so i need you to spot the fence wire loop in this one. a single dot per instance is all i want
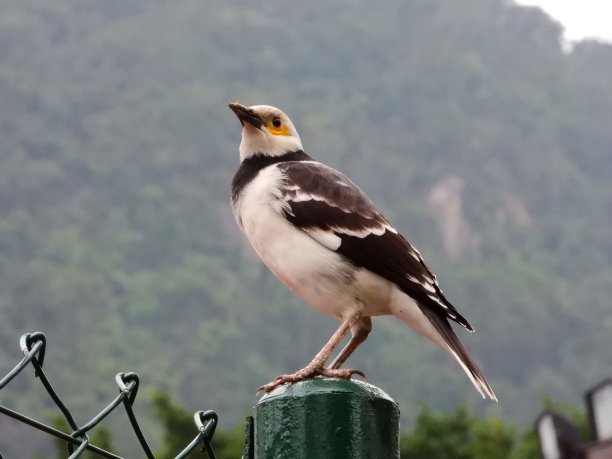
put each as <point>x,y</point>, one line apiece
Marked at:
<point>28,340</point>
<point>206,422</point>
<point>128,384</point>
<point>33,346</point>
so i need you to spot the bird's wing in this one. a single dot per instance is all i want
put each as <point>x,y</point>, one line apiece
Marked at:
<point>337,214</point>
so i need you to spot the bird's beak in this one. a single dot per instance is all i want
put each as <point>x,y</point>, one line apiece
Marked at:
<point>246,115</point>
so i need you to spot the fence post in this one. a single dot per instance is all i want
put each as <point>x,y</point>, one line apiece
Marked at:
<point>325,418</point>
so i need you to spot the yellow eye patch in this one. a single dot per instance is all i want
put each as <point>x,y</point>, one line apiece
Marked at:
<point>280,130</point>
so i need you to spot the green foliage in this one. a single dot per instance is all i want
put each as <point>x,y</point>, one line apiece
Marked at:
<point>179,430</point>
<point>460,435</point>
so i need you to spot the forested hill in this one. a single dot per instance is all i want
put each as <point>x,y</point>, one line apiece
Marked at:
<point>484,142</point>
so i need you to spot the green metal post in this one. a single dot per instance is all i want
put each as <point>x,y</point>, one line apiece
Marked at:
<point>324,418</point>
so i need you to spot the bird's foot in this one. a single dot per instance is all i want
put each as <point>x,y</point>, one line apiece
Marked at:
<point>307,373</point>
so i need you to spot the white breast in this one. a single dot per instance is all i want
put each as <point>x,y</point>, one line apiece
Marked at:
<point>311,270</point>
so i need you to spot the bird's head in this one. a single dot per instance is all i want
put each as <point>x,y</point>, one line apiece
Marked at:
<point>266,130</point>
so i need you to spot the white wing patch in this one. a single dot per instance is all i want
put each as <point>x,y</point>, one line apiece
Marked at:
<point>326,238</point>
<point>294,193</point>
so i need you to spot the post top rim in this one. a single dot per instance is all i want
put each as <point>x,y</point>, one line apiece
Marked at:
<point>323,385</point>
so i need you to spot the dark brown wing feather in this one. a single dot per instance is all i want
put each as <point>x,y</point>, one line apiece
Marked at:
<point>318,197</point>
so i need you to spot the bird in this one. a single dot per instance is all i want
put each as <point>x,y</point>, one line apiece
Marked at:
<point>325,240</point>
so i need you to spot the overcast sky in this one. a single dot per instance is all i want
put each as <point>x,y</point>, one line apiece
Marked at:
<point>581,18</point>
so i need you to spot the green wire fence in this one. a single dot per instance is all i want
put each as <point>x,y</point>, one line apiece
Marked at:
<point>33,347</point>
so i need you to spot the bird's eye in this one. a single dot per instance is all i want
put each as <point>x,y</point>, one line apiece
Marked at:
<point>276,122</point>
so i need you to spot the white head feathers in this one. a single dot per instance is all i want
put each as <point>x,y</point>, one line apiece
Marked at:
<point>265,130</point>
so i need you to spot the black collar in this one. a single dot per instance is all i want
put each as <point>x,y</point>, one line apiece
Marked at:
<point>250,167</point>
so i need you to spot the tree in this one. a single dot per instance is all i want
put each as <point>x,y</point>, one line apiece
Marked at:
<point>179,430</point>
<point>460,435</point>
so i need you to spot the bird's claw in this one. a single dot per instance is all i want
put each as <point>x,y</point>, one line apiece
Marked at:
<point>307,373</point>
<point>344,373</point>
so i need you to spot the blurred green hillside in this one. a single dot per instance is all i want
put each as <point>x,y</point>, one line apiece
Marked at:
<point>482,141</point>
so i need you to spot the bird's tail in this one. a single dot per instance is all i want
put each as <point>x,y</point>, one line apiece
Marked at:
<point>456,348</point>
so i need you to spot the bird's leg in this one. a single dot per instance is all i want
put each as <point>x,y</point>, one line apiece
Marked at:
<point>317,365</point>
<point>360,331</point>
